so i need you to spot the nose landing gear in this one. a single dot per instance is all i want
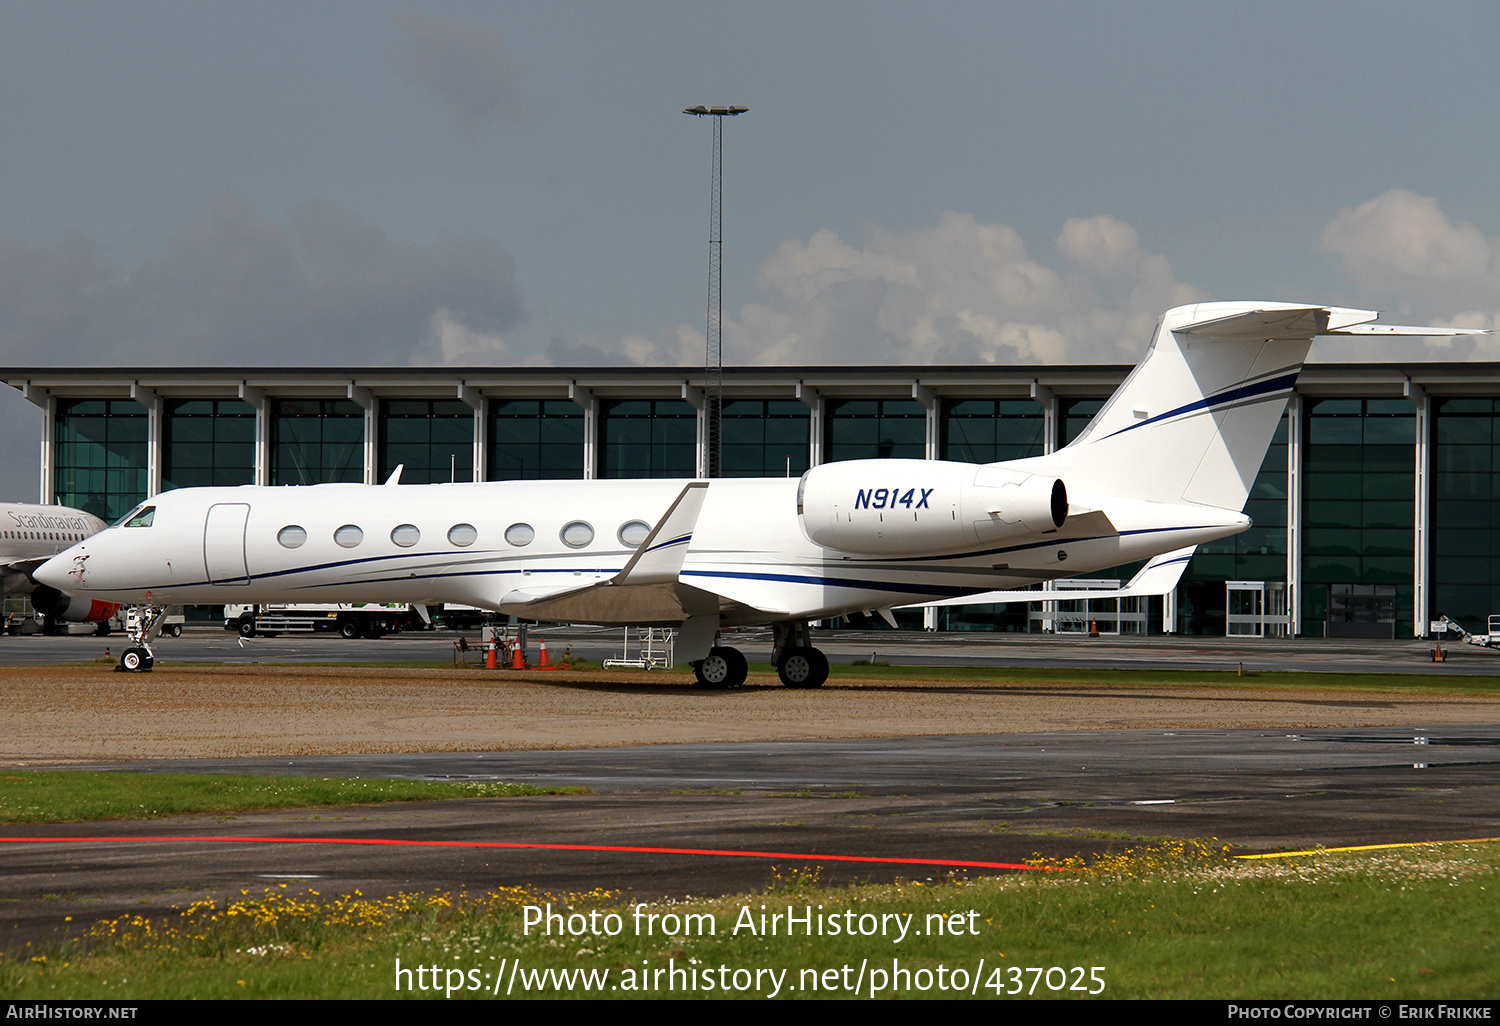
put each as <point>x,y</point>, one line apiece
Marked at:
<point>141,628</point>
<point>136,660</point>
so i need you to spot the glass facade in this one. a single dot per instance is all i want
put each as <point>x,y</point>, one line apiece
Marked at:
<point>1465,515</point>
<point>1258,554</point>
<point>433,440</point>
<point>314,441</point>
<point>867,429</point>
<point>649,438</point>
<point>1075,415</point>
<point>765,438</point>
<point>207,442</point>
<point>1357,490</point>
<point>100,462</point>
<point>990,430</point>
<point>531,439</point>
<point>1358,510</point>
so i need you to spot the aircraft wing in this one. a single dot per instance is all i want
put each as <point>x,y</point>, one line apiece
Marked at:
<point>646,590</point>
<point>1157,577</point>
<point>15,578</point>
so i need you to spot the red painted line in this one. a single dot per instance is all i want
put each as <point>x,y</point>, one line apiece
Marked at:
<point>802,857</point>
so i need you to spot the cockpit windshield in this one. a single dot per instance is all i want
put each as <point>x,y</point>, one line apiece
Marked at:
<point>141,516</point>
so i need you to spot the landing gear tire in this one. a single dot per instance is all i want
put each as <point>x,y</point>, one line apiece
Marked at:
<point>722,668</point>
<point>136,660</point>
<point>247,628</point>
<point>349,628</point>
<point>803,668</point>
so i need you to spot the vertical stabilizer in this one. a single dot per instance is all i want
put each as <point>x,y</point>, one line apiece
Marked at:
<point>1193,420</point>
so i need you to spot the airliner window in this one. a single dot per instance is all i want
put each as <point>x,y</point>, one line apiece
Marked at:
<point>348,536</point>
<point>291,536</point>
<point>143,518</point>
<point>577,534</point>
<point>406,535</point>
<point>633,533</point>
<point>520,534</point>
<point>462,534</point>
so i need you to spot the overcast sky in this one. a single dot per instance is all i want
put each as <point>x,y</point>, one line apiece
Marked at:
<point>483,183</point>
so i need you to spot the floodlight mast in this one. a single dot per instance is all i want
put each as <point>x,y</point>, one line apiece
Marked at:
<point>713,363</point>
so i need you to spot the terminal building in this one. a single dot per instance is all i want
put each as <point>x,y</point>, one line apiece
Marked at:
<point>1372,510</point>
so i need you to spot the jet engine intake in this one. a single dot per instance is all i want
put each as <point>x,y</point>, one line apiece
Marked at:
<point>917,507</point>
<point>54,604</point>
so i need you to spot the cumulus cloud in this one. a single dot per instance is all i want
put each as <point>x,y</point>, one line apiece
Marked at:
<point>1406,255</point>
<point>236,287</point>
<point>958,291</point>
<point>466,67</point>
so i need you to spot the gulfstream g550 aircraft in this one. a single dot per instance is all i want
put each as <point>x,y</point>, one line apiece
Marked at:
<point>1167,464</point>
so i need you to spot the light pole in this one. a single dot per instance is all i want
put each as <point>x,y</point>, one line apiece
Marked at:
<point>713,363</point>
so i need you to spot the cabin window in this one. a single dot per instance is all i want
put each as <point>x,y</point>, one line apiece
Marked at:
<point>291,536</point>
<point>520,534</point>
<point>577,534</point>
<point>462,534</point>
<point>348,536</point>
<point>406,535</point>
<point>633,533</point>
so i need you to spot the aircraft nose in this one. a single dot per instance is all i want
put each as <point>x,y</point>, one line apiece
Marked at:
<point>54,573</point>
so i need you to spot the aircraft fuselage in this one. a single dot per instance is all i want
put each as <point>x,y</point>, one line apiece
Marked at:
<point>523,547</point>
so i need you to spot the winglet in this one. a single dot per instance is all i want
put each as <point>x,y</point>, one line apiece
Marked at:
<point>395,477</point>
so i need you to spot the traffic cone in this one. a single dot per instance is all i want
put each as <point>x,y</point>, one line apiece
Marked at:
<point>545,662</point>
<point>491,658</point>
<point>1093,628</point>
<point>517,659</point>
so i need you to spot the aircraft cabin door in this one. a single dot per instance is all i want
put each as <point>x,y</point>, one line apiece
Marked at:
<point>224,543</point>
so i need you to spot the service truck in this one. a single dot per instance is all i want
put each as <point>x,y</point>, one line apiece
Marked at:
<point>349,619</point>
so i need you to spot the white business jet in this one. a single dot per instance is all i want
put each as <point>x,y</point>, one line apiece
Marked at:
<point>29,536</point>
<point>1166,465</point>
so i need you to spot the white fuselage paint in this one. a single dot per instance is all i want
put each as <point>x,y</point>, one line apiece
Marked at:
<point>747,553</point>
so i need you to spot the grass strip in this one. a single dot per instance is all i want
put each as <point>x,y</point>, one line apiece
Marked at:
<point>68,796</point>
<point>1176,920</point>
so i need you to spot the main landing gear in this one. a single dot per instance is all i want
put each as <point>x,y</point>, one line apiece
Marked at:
<point>798,664</point>
<point>721,668</point>
<point>802,668</point>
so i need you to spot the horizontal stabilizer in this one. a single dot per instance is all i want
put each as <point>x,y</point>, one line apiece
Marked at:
<point>1406,330</point>
<point>1293,323</point>
<point>1272,323</point>
<point>1157,577</point>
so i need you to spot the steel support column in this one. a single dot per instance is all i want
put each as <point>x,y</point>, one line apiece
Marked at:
<point>1421,539</point>
<point>1295,443</point>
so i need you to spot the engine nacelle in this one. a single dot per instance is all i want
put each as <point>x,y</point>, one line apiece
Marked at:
<point>916,507</point>
<point>55,605</point>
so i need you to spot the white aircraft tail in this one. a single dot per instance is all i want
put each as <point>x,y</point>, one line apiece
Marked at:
<point>1192,422</point>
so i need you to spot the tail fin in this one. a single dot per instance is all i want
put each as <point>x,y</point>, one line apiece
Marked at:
<point>1193,420</point>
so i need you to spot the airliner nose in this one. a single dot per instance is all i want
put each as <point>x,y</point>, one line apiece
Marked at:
<point>54,573</point>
